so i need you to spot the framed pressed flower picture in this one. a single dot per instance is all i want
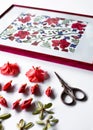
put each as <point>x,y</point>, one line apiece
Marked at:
<point>51,35</point>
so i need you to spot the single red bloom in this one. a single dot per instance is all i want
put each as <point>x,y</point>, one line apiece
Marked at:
<point>24,20</point>
<point>78,26</point>
<point>10,69</point>
<point>64,44</point>
<point>55,43</point>
<point>25,104</point>
<point>3,101</point>
<point>34,88</point>
<point>36,74</point>
<point>52,21</point>
<point>7,86</point>
<point>22,89</point>
<point>48,91</point>
<point>22,34</point>
<point>16,103</point>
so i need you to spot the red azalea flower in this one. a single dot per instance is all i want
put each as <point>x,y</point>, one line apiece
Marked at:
<point>78,26</point>
<point>55,43</point>
<point>52,21</point>
<point>64,44</point>
<point>36,74</point>
<point>21,34</point>
<point>24,20</point>
<point>10,69</point>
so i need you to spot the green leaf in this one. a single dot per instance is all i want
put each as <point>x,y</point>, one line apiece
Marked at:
<point>48,125</point>
<point>40,105</point>
<point>40,122</point>
<point>45,128</point>
<point>76,41</point>
<point>50,117</point>
<point>5,116</point>
<point>46,106</point>
<point>28,125</point>
<point>21,123</point>
<point>46,44</point>
<point>37,111</point>
<point>55,120</point>
<point>41,116</point>
<point>50,112</point>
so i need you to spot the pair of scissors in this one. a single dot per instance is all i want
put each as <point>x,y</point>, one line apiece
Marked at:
<point>69,94</point>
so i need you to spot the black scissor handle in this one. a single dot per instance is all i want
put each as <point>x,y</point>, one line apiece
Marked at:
<point>68,99</point>
<point>79,94</point>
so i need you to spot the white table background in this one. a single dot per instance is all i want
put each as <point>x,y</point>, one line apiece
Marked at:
<point>76,77</point>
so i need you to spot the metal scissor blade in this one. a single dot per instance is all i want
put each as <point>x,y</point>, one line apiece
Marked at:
<point>60,79</point>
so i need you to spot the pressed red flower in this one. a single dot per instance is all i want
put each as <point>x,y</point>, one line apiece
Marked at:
<point>10,69</point>
<point>52,21</point>
<point>24,20</point>
<point>16,104</point>
<point>22,89</point>
<point>78,26</point>
<point>34,88</point>
<point>64,44</point>
<point>3,101</point>
<point>22,34</point>
<point>7,86</point>
<point>25,104</point>
<point>48,91</point>
<point>11,38</point>
<point>55,43</point>
<point>36,74</point>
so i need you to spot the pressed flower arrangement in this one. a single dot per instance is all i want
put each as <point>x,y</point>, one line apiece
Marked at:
<point>49,32</point>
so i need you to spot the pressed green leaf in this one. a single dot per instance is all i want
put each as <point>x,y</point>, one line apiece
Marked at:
<point>40,122</point>
<point>37,111</point>
<point>28,125</point>
<point>45,128</point>
<point>50,117</point>
<point>46,106</point>
<point>5,116</point>
<point>48,125</point>
<point>21,123</point>
<point>40,105</point>
<point>55,120</point>
<point>50,112</point>
<point>41,116</point>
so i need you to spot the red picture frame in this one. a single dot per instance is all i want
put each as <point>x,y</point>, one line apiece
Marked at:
<point>49,57</point>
